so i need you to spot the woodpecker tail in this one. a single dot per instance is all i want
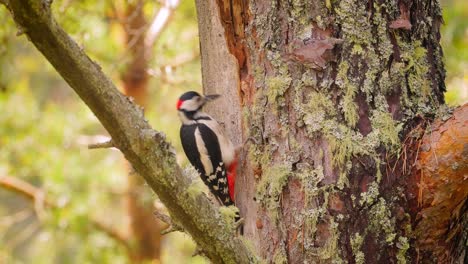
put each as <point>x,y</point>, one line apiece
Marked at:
<point>231,178</point>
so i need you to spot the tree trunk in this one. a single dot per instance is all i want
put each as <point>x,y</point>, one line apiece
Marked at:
<point>332,98</point>
<point>145,228</point>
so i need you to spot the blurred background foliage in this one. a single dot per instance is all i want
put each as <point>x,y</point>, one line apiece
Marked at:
<point>45,129</point>
<point>455,46</point>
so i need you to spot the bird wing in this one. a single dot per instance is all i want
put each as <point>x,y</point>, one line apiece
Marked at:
<point>217,178</point>
<point>187,136</point>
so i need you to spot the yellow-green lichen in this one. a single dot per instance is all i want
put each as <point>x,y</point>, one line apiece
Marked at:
<point>277,86</point>
<point>297,9</point>
<point>229,213</point>
<point>354,22</point>
<point>196,187</point>
<point>270,187</point>
<point>312,216</point>
<point>259,157</point>
<point>369,197</point>
<point>310,179</point>
<point>356,244</point>
<point>280,257</point>
<point>346,143</point>
<point>385,47</point>
<point>329,250</point>
<point>348,105</point>
<point>319,109</point>
<point>387,129</point>
<point>414,55</point>
<point>381,221</point>
<point>378,173</point>
<point>403,246</point>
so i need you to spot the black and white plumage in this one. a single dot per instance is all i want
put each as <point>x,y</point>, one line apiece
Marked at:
<point>205,144</point>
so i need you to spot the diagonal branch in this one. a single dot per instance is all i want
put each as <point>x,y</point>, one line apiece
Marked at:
<point>23,188</point>
<point>147,150</point>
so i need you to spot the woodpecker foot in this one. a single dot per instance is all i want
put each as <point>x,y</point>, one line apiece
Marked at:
<point>166,219</point>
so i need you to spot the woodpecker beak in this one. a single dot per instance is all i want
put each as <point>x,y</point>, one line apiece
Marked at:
<point>211,97</point>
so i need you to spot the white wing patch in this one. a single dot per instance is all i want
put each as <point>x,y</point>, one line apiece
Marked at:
<point>227,148</point>
<point>204,157</point>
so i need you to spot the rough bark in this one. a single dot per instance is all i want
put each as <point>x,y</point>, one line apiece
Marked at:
<point>147,151</point>
<point>335,96</point>
<point>440,177</point>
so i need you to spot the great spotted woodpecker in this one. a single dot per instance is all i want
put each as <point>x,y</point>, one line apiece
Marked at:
<point>208,149</point>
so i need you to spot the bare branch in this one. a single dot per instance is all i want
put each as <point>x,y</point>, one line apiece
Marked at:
<point>160,21</point>
<point>14,218</point>
<point>106,144</point>
<point>113,233</point>
<point>38,196</point>
<point>177,62</point>
<point>23,188</point>
<point>149,153</point>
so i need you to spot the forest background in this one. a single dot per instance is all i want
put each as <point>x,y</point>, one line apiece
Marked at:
<point>71,204</point>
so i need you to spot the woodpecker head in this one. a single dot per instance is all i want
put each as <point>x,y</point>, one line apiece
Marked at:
<point>190,104</point>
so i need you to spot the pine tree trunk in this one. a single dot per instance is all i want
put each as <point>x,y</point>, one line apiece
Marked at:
<point>331,99</point>
<point>144,228</point>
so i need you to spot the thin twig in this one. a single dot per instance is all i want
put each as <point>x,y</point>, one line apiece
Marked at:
<point>23,188</point>
<point>39,198</point>
<point>23,235</point>
<point>168,230</point>
<point>14,218</point>
<point>113,233</point>
<point>106,144</point>
<point>166,219</point>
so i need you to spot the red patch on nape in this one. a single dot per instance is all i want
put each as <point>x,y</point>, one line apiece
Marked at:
<point>179,103</point>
